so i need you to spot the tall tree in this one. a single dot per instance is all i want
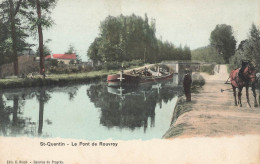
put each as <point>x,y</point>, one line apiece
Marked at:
<point>93,51</point>
<point>250,48</point>
<point>13,12</point>
<point>5,43</point>
<point>71,50</point>
<point>186,53</point>
<point>6,40</point>
<point>126,38</point>
<point>9,12</point>
<point>223,40</point>
<point>38,12</point>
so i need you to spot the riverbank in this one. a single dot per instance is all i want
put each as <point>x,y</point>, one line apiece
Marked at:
<point>58,79</point>
<point>54,79</point>
<point>212,113</point>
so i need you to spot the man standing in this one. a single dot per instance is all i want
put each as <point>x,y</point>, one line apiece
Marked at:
<point>187,84</point>
<point>43,73</point>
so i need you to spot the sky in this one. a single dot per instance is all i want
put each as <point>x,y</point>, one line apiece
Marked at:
<point>182,22</point>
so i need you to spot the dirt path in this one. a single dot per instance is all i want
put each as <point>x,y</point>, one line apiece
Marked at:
<point>212,113</point>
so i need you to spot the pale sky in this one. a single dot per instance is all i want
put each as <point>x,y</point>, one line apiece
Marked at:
<point>183,22</point>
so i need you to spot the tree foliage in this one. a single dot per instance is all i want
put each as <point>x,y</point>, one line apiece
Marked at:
<point>207,54</point>
<point>223,40</point>
<point>5,43</point>
<point>18,17</point>
<point>249,49</point>
<point>71,50</point>
<point>46,51</point>
<point>30,12</point>
<point>11,24</point>
<point>126,38</point>
<point>38,13</point>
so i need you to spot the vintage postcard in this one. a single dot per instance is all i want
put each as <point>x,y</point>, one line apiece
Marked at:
<point>129,81</point>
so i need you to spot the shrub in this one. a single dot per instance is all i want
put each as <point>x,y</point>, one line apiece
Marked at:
<point>118,65</point>
<point>111,65</point>
<point>54,62</point>
<point>197,82</point>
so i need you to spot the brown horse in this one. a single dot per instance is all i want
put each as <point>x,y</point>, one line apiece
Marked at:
<point>249,74</point>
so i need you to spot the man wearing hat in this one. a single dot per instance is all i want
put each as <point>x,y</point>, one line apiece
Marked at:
<point>187,84</point>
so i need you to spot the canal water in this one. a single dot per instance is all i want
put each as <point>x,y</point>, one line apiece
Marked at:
<point>89,111</point>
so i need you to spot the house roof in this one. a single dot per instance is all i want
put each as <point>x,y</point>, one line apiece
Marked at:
<point>62,56</point>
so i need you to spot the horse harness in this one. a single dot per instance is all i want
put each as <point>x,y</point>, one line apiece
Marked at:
<point>244,78</point>
<point>237,80</point>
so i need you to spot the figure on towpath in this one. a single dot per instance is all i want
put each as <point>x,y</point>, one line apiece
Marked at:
<point>187,84</point>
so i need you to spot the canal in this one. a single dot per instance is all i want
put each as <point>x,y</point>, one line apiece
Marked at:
<point>89,111</point>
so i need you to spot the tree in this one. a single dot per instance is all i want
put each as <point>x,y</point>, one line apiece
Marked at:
<point>38,12</point>
<point>250,48</point>
<point>5,43</point>
<point>10,9</point>
<point>13,10</point>
<point>94,49</point>
<point>223,40</point>
<point>46,51</point>
<point>126,38</point>
<point>186,53</point>
<point>207,54</point>
<point>71,50</point>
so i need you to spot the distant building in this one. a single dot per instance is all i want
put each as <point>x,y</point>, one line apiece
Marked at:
<point>65,58</point>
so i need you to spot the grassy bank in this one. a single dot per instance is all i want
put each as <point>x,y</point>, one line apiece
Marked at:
<point>54,79</point>
<point>63,79</point>
<point>182,106</point>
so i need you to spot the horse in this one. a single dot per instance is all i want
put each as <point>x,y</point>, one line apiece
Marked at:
<point>257,85</point>
<point>249,74</point>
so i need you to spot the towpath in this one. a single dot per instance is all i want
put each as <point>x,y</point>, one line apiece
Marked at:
<point>212,112</point>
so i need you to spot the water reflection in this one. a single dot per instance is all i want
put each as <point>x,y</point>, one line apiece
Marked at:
<point>131,107</point>
<point>4,116</point>
<point>142,112</point>
<point>43,98</point>
<point>12,120</point>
